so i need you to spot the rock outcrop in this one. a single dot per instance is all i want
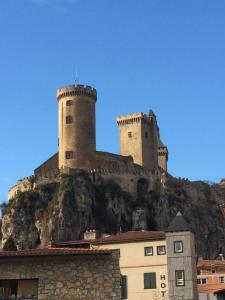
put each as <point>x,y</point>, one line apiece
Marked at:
<point>65,209</point>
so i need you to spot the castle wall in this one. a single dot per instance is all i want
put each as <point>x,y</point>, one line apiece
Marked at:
<point>23,185</point>
<point>49,167</point>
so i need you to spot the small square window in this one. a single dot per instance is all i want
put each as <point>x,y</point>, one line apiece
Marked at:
<point>180,279</point>
<point>69,154</point>
<point>69,119</point>
<point>204,280</point>
<point>222,279</point>
<point>199,281</point>
<point>213,271</point>
<point>69,102</point>
<point>161,250</point>
<point>178,247</point>
<point>130,134</point>
<point>148,251</point>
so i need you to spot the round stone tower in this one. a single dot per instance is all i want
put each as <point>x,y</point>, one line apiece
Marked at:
<point>77,139</point>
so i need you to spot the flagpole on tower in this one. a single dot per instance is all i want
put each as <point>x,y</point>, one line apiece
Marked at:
<point>76,78</point>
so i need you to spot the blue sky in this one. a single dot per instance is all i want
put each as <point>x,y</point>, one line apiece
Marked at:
<point>167,55</point>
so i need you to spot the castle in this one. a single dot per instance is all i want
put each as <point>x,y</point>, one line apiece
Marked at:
<point>142,153</point>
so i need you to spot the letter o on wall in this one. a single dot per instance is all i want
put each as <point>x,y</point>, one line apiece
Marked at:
<point>163,285</point>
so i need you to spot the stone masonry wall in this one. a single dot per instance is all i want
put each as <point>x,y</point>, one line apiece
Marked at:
<point>78,277</point>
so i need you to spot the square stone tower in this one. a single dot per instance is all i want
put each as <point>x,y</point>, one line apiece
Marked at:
<point>139,138</point>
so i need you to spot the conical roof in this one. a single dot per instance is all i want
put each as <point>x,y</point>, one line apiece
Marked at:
<point>179,224</point>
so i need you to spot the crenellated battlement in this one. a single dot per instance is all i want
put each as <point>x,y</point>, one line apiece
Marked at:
<point>73,90</point>
<point>132,118</point>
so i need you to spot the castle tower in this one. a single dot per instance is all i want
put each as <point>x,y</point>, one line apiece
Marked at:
<point>77,140</point>
<point>162,155</point>
<point>139,138</point>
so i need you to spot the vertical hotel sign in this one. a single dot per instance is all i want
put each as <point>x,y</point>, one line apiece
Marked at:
<point>162,294</point>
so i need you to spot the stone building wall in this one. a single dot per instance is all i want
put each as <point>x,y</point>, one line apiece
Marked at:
<point>78,277</point>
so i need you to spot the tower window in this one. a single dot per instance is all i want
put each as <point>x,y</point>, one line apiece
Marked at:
<point>178,246</point>
<point>180,279</point>
<point>69,102</point>
<point>69,119</point>
<point>69,154</point>
<point>130,134</point>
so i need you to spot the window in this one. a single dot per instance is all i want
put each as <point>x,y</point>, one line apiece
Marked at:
<point>123,284</point>
<point>213,271</point>
<point>148,251</point>
<point>161,250</point>
<point>198,272</point>
<point>150,280</point>
<point>146,135</point>
<point>69,119</point>
<point>180,280</point>
<point>69,154</point>
<point>222,279</point>
<point>178,247</point>
<point>201,280</point>
<point>69,102</point>
<point>130,134</point>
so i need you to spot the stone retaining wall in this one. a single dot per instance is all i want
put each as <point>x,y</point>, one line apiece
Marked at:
<point>78,277</point>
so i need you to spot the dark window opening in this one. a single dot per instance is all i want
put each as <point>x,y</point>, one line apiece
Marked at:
<point>146,135</point>
<point>69,119</point>
<point>130,134</point>
<point>69,102</point>
<point>69,154</point>
<point>19,289</point>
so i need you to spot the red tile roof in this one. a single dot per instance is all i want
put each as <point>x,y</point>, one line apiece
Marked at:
<point>53,252</point>
<point>126,237</point>
<point>202,263</point>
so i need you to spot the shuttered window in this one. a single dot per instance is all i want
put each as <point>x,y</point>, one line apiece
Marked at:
<point>123,287</point>
<point>150,280</point>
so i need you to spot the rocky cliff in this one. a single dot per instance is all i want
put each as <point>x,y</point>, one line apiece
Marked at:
<point>64,209</point>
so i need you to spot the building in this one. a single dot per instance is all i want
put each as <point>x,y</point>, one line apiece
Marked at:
<point>142,153</point>
<point>210,278</point>
<point>60,273</point>
<point>153,264</point>
<point>182,272</point>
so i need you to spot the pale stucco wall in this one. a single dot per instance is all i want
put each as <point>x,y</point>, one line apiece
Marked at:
<point>133,264</point>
